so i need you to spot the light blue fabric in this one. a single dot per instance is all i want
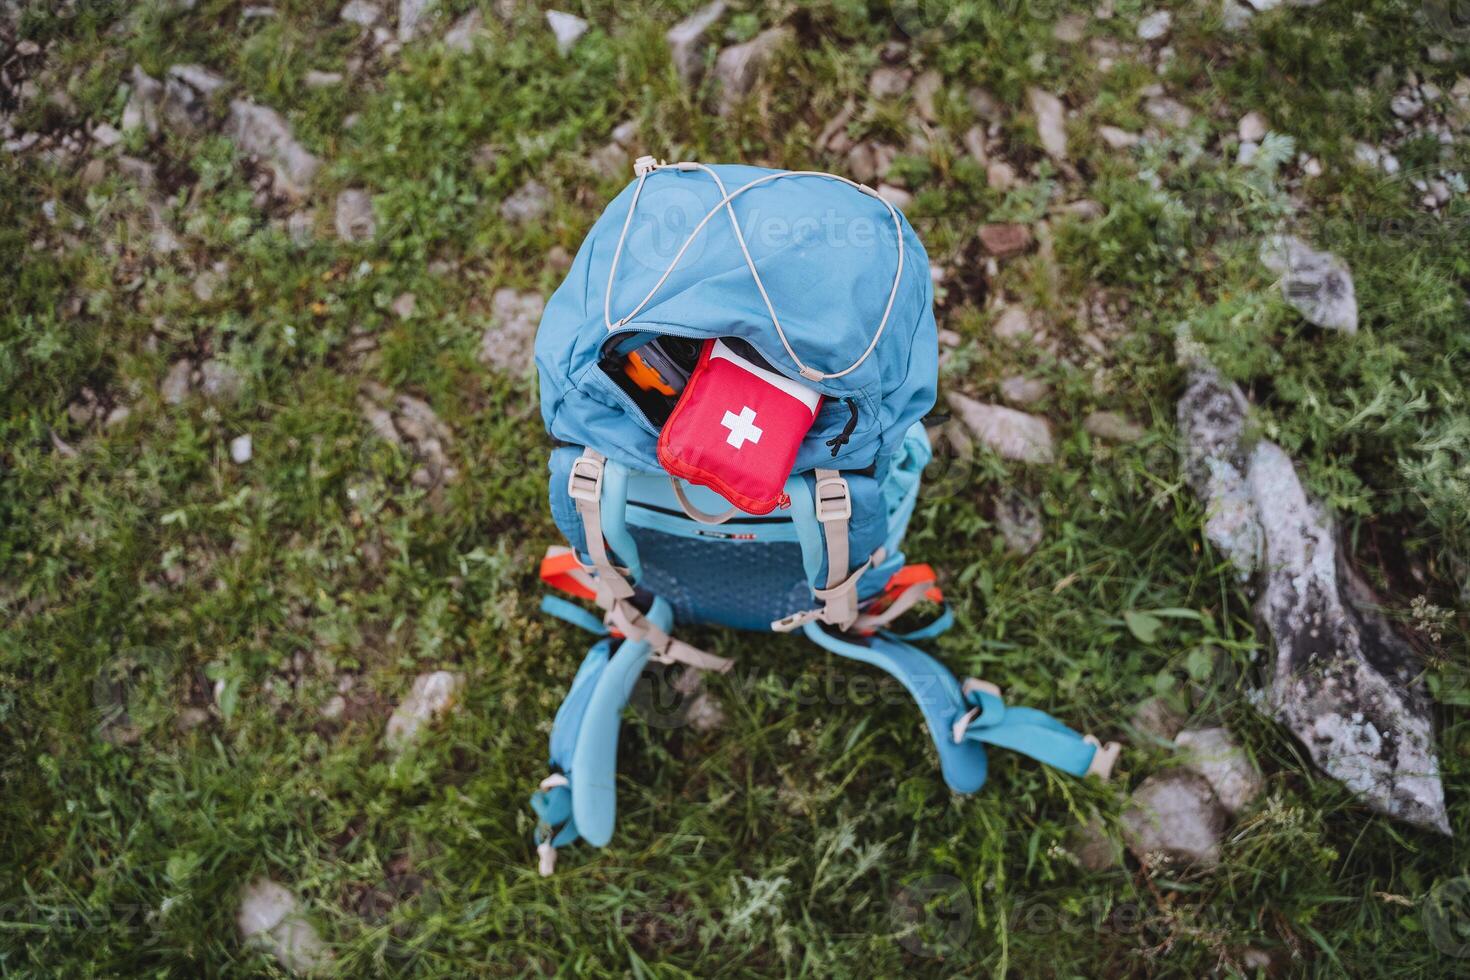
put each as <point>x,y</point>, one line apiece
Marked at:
<point>827,254</point>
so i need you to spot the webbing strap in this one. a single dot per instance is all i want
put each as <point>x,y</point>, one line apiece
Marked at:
<point>584,486</point>
<point>833,504</point>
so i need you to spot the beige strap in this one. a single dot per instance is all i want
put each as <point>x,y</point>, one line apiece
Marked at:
<point>833,503</point>
<point>584,486</point>
<point>629,621</point>
<point>694,512</point>
<point>839,604</point>
<point>907,599</point>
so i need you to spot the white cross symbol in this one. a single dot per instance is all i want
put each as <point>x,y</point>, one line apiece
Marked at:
<point>742,427</point>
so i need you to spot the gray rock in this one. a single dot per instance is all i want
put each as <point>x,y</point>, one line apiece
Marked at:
<point>1093,848</point>
<point>1169,112</point>
<point>178,381</point>
<point>1014,325</point>
<point>611,160</point>
<point>699,708</point>
<point>1118,139</point>
<point>187,90</point>
<point>262,132</point>
<point>984,104</point>
<point>432,697</point>
<point>1071,29</point>
<point>1020,390</point>
<point>270,918</point>
<point>1212,417</point>
<point>1342,680</point>
<point>1155,26</point>
<point>888,82</point>
<point>896,196</point>
<point>361,13</point>
<point>1156,716</point>
<point>738,66</point>
<point>1051,122</point>
<point>143,99</point>
<point>1012,434</point>
<point>411,18</point>
<point>1019,521</point>
<point>463,33</point>
<point>1174,816</point>
<point>242,448</point>
<point>687,40</point>
<point>321,79</point>
<point>530,202</point>
<point>219,382</point>
<point>974,141</point>
<point>925,90</point>
<point>508,343</point>
<point>300,227</point>
<point>1214,754</point>
<point>1318,284</point>
<point>355,220</point>
<point>1252,127</point>
<point>869,161</point>
<point>568,29</point>
<point>1113,427</point>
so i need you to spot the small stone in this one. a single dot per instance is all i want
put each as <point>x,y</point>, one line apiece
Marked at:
<point>1439,54</point>
<point>300,227</point>
<point>190,718</point>
<point>411,18</point>
<point>205,284</point>
<point>888,82</point>
<point>1311,167</point>
<point>686,41</point>
<point>271,919</point>
<point>738,66</point>
<point>433,695</point>
<point>1051,125</point>
<point>508,342</point>
<point>1214,754</point>
<point>1157,717</point>
<point>1245,154</point>
<point>625,134</point>
<point>1071,29</point>
<point>463,33</point>
<point>868,161</point>
<point>896,196</point>
<point>1155,26</point>
<point>1113,427</point>
<point>321,79</point>
<point>361,13</point>
<point>1083,210</point>
<point>1000,176</point>
<point>610,160</point>
<point>405,305</point>
<point>106,136</point>
<point>354,220</point>
<point>974,140</point>
<point>1168,111</point>
<point>568,29</point>
<point>263,132</point>
<point>219,382</point>
<point>1019,522</point>
<point>1252,127</point>
<point>241,449</point>
<point>530,202</point>
<point>335,708</point>
<point>985,105</point>
<point>925,90</point>
<point>1318,284</point>
<point>117,416</point>
<point>1014,325</point>
<point>176,384</point>
<point>1118,139</point>
<point>1021,390</point>
<point>1093,848</point>
<point>1176,817</point>
<point>1004,240</point>
<point>1012,434</point>
<point>1406,106</point>
<point>1235,17</point>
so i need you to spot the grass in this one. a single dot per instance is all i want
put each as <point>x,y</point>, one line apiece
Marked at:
<point>143,568</point>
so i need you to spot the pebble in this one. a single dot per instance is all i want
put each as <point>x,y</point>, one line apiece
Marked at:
<point>1155,26</point>
<point>1252,127</point>
<point>241,449</point>
<point>568,29</point>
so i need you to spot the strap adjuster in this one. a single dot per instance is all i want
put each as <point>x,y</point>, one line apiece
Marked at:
<point>833,500</point>
<point>585,481</point>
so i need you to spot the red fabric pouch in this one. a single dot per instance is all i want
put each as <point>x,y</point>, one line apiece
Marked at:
<point>737,428</point>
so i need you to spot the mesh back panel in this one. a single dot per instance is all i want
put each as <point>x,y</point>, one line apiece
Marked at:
<point>744,584</point>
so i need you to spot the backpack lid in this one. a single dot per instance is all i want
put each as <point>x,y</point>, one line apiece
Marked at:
<point>827,255</point>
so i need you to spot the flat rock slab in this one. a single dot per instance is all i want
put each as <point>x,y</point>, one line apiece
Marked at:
<point>263,132</point>
<point>432,697</point>
<point>1012,434</point>
<point>270,918</point>
<point>738,66</point>
<point>1343,682</point>
<point>1318,285</point>
<point>1214,754</point>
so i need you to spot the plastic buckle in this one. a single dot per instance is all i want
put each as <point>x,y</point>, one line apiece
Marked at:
<point>646,165</point>
<point>833,500</point>
<point>585,482</point>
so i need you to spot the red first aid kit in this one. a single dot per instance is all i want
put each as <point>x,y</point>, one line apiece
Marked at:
<point>737,428</point>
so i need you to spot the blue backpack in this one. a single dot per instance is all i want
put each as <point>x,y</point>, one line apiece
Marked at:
<point>827,282</point>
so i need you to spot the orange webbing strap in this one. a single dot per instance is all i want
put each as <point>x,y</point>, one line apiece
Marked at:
<point>904,590</point>
<point>561,570</point>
